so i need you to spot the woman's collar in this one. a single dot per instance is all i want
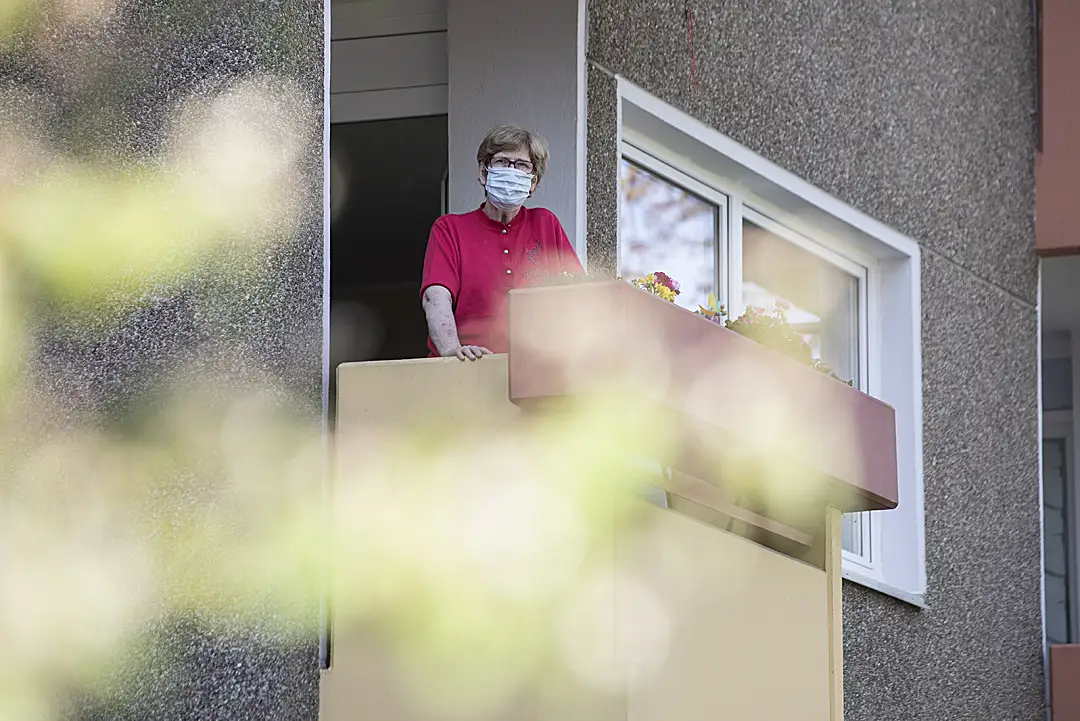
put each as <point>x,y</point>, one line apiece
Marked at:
<point>496,225</point>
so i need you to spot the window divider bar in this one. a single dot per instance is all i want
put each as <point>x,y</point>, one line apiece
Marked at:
<point>734,299</point>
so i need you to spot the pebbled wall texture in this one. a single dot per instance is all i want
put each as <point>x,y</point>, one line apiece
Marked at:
<point>106,90</point>
<point>921,114</point>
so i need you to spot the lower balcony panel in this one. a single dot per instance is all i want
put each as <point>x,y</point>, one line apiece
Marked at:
<point>690,622</point>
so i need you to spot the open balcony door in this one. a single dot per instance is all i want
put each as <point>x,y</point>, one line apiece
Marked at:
<point>388,88</point>
<point>388,168</point>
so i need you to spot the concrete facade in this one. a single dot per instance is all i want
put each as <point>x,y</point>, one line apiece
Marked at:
<point>108,91</point>
<point>922,116</point>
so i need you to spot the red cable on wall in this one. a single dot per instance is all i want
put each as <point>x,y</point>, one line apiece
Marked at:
<point>693,60</point>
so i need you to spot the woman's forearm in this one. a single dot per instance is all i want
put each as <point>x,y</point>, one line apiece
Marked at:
<point>439,310</point>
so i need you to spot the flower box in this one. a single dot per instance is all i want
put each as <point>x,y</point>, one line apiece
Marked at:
<point>745,417</point>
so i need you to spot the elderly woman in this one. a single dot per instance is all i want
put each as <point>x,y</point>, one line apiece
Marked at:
<point>474,259</point>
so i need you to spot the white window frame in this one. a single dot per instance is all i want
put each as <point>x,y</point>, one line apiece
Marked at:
<point>721,200</point>
<point>862,269</point>
<point>728,279</point>
<point>887,263</point>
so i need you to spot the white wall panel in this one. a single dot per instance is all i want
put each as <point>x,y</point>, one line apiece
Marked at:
<point>401,61</point>
<point>385,104</point>
<point>372,18</point>
<point>388,59</point>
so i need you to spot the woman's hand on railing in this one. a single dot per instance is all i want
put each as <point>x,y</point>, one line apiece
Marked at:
<point>469,352</point>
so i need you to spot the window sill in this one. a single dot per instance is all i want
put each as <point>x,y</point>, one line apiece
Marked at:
<point>917,600</point>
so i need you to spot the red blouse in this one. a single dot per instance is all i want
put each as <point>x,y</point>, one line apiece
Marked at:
<point>479,260</point>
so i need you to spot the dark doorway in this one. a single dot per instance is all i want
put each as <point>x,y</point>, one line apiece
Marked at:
<point>388,185</point>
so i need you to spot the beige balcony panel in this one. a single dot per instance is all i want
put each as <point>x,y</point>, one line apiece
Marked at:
<point>749,637</point>
<point>704,624</point>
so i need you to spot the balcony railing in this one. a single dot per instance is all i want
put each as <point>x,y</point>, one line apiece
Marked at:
<point>723,602</point>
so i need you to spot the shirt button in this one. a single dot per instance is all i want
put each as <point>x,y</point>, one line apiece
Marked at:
<point>506,251</point>
<point>508,271</point>
<point>504,231</point>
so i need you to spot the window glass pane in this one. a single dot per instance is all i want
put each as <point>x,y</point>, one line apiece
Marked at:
<point>1055,542</point>
<point>851,533</point>
<point>823,299</point>
<point>824,309</point>
<point>665,227</point>
<point>1057,384</point>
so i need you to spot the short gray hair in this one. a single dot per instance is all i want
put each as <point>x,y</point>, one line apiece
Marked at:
<point>510,137</point>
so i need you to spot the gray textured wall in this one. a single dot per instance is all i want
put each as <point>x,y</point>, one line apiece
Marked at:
<point>921,115</point>
<point>107,90</point>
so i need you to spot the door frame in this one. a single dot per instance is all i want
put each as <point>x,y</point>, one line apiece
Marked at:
<point>409,103</point>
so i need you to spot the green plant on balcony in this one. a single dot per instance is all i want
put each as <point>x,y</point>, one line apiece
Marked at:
<point>659,284</point>
<point>771,330</point>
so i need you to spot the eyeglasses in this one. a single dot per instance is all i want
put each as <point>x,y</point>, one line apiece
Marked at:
<point>524,166</point>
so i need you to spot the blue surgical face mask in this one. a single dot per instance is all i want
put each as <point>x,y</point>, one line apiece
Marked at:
<point>508,188</point>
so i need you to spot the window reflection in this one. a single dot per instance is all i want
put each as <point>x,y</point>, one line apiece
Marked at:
<point>824,299</point>
<point>852,532</point>
<point>665,227</point>
<point>824,309</point>
<point>1056,567</point>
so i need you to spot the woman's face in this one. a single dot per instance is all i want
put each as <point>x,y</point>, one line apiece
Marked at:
<point>518,158</point>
